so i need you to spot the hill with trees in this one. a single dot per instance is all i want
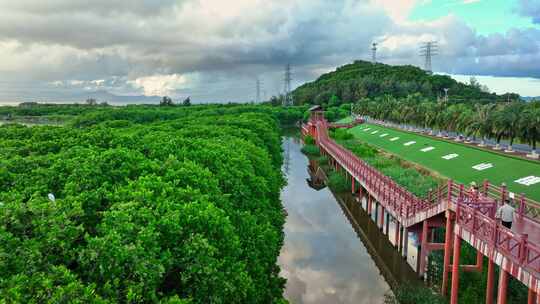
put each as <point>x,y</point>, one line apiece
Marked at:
<point>362,79</point>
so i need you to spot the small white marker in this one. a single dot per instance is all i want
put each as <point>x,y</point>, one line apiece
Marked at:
<point>428,149</point>
<point>383,135</point>
<point>367,129</point>
<point>450,156</point>
<point>409,143</point>
<point>375,132</point>
<point>529,180</point>
<point>394,139</point>
<point>483,166</point>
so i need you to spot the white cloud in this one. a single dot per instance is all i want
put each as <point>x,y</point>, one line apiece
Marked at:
<point>160,85</point>
<point>526,86</point>
<point>158,47</point>
<point>399,10</point>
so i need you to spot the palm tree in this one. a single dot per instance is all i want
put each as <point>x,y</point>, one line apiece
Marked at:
<point>506,123</point>
<point>512,117</point>
<point>498,124</point>
<point>464,121</point>
<point>481,123</point>
<point>530,127</point>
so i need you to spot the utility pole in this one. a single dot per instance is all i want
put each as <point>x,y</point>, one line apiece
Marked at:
<point>374,52</point>
<point>288,100</point>
<point>428,50</point>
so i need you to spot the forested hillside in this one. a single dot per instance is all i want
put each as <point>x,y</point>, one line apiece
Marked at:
<point>362,79</point>
<point>142,205</point>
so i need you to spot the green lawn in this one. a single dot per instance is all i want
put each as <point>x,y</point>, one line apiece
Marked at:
<point>505,169</point>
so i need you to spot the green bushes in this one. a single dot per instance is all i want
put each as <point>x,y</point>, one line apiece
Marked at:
<point>152,205</point>
<point>340,134</point>
<point>309,140</point>
<point>322,160</point>
<point>414,295</point>
<point>311,150</point>
<point>338,183</point>
<point>409,178</point>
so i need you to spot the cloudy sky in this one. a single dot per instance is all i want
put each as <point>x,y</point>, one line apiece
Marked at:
<point>214,50</point>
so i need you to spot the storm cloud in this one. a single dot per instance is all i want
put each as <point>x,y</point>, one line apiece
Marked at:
<point>213,50</point>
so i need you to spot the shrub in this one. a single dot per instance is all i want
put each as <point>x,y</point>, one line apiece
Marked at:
<point>309,140</point>
<point>338,183</point>
<point>340,134</point>
<point>311,150</point>
<point>414,295</point>
<point>322,160</point>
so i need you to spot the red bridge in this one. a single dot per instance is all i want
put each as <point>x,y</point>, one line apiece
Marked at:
<point>465,216</point>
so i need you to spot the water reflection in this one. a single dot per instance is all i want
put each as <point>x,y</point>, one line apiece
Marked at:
<point>322,257</point>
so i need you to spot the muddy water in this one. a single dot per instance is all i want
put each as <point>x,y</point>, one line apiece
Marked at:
<point>333,252</point>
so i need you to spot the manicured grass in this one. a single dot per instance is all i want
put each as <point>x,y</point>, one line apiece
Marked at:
<point>505,169</point>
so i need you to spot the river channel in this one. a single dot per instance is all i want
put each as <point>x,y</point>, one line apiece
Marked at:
<point>333,251</point>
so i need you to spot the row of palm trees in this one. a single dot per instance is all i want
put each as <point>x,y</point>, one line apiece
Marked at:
<point>509,120</point>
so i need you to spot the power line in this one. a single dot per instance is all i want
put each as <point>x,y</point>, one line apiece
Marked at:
<point>428,50</point>
<point>288,100</point>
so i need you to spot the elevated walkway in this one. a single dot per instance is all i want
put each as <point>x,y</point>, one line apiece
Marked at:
<point>469,216</point>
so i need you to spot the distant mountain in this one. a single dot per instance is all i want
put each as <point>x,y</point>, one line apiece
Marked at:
<point>82,96</point>
<point>530,98</point>
<point>362,79</point>
<point>105,96</point>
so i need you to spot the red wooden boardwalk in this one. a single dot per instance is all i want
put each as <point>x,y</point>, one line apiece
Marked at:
<point>466,216</point>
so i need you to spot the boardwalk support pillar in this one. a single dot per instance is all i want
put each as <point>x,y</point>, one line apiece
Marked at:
<point>455,270</point>
<point>531,297</point>
<point>447,251</point>
<point>490,282</point>
<point>405,242</point>
<point>382,218</point>
<point>396,234</point>
<point>503,286</point>
<point>423,249</point>
<point>388,224</point>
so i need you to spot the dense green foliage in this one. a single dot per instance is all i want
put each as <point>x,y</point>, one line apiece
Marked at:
<point>340,134</point>
<point>311,150</point>
<point>362,79</point>
<point>393,167</point>
<point>509,120</point>
<point>309,140</point>
<point>415,295</point>
<point>338,183</point>
<point>171,205</point>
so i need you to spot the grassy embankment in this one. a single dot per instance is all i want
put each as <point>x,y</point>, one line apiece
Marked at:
<point>505,168</point>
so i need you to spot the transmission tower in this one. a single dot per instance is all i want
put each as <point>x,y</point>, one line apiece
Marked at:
<point>374,52</point>
<point>288,100</point>
<point>258,88</point>
<point>427,51</point>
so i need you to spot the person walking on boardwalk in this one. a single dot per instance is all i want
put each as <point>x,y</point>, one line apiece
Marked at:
<point>506,214</point>
<point>473,191</point>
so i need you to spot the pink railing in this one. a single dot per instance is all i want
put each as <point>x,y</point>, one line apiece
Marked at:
<point>394,197</point>
<point>512,245</point>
